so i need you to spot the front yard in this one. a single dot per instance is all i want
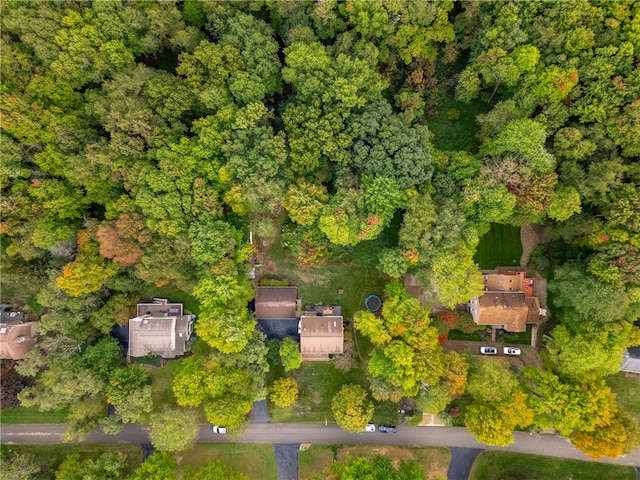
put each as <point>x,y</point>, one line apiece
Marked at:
<point>518,466</point>
<point>257,461</point>
<point>319,457</point>
<point>318,382</point>
<point>627,389</point>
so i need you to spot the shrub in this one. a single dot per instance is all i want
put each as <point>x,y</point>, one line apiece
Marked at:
<point>284,392</point>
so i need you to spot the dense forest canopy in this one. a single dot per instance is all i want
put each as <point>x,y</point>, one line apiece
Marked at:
<point>142,141</point>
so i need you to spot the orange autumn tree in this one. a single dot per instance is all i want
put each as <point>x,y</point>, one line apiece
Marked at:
<point>619,437</point>
<point>88,272</point>
<point>121,240</point>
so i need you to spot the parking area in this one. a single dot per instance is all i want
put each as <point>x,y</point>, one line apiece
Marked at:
<point>528,357</point>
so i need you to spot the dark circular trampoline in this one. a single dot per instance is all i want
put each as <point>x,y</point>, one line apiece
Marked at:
<point>373,303</point>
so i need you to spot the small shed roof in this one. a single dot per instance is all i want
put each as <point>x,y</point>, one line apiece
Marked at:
<point>17,339</point>
<point>276,302</point>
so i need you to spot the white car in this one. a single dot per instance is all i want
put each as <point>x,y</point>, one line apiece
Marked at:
<point>488,350</point>
<point>511,351</point>
<point>370,428</point>
<point>217,429</point>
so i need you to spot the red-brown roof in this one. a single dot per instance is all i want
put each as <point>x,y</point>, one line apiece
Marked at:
<point>511,311</point>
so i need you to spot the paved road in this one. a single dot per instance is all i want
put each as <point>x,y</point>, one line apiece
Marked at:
<point>274,433</point>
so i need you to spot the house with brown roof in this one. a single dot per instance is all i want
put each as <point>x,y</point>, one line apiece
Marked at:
<point>277,311</point>
<point>321,336</point>
<point>160,328</point>
<point>507,302</point>
<point>16,339</point>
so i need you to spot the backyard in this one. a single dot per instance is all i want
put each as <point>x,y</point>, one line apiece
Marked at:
<point>518,466</point>
<point>499,247</point>
<point>319,457</point>
<point>351,272</point>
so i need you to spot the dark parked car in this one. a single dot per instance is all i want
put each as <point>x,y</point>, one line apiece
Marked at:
<point>387,428</point>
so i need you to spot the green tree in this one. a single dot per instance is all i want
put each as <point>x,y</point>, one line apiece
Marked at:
<point>213,470</point>
<point>290,355</point>
<point>371,326</point>
<point>228,332</point>
<point>173,430</point>
<point>304,202</point>
<point>564,203</point>
<point>158,466</point>
<point>109,466</point>
<point>351,408</point>
<point>385,145</point>
<point>87,273</point>
<point>284,392</point>
<point>20,466</point>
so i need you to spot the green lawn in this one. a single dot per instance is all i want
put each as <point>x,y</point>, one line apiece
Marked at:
<point>628,391</point>
<point>54,455</point>
<point>458,335</point>
<point>173,294</point>
<point>455,134</point>
<point>500,247</point>
<point>519,466</point>
<point>318,383</point>
<point>22,415</point>
<point>162,384</point>
<point>319,457</point>
<point>257,461</point>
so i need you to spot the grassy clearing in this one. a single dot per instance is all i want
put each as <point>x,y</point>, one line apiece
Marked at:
<point>54,455</point>
<point>319,457</point>
<point>24,415</point>
<point>33,304</point>
<point>628,391</point>
<point>519,466</point>
<point>456,134</point>
<point>322,283</point>
<point>257,461</point>
<point>500,247</point>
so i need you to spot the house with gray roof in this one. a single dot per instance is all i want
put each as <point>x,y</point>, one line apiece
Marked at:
<point>631,360</point>
<point>160,328</point>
